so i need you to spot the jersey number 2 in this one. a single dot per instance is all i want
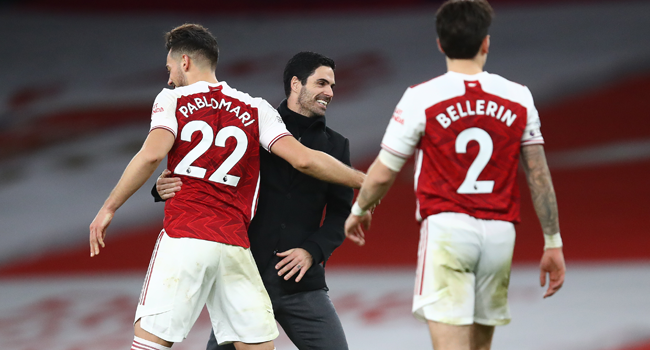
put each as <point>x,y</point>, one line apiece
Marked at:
<point>220,175</point>
<point>471,185</point>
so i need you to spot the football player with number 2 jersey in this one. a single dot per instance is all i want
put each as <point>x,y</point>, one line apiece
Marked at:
<point>212,135</point>
<point>468,129</point>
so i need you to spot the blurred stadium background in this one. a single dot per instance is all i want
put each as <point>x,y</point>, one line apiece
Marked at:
<point>79,79</point>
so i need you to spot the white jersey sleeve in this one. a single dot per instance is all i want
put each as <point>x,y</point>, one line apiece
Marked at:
<point>272,127</point>
<point>163,113</point>
<point>406,127</point>
<point>532,134</point>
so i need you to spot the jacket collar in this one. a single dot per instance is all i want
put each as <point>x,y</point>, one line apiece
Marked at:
<point>290,116</point>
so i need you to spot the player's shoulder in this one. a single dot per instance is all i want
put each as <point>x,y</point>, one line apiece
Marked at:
<point>500,80</point>
<point>198,87</point>
<point>434,83</point>
<point>256,102</point>
<point>167,94</point>
<point>448,83</point>
<point>498,85</point>
<point>427,83</point>
<point>432,91</point>
<point>456,81</point>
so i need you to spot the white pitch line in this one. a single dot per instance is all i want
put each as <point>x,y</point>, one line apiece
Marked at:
<point>613,153</point>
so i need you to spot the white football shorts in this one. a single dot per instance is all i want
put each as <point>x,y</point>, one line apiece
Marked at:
<point>185,274</point>
<point>463,270</point>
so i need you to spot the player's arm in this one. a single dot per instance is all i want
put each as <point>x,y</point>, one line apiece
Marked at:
<point>380,182</point>
<point>541,187</point>
<point>545,203</point>
<point>145,162</point>
<point>381,176</point>
<point>316,163</point>
<point>402,136</point>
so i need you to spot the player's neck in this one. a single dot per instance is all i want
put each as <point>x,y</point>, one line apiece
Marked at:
<point>466,66</point>
<point>195,77</point>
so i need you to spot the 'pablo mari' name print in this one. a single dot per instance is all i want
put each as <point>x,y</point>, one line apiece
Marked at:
<point>190,108</point>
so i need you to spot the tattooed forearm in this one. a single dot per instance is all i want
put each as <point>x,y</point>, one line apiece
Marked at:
<point>541,187</point>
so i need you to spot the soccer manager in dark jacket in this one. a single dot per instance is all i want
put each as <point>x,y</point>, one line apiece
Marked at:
<point>288,242</point>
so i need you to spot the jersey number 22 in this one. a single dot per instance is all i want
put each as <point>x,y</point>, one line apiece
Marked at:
<point>220,175</point>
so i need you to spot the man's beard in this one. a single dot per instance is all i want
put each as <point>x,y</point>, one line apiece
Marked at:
<point>309,105</point>
<point>181,81</point>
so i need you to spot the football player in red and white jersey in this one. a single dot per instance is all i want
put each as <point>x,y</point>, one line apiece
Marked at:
<point>211,134</point>
<point>468,129</point>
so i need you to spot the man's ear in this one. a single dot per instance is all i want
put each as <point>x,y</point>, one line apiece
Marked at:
<point>439,46</point>
<point>295,84</point>
<point>186,62</point>
<point>485,45</point>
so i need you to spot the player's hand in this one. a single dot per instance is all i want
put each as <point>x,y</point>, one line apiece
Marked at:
<point>553,264</point>
<point>98,230</point>
<point>295,260</point>
<point>168,186</point>
<point>354,226</point>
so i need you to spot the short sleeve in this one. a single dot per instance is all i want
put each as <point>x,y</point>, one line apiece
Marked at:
<point>532,132</point>
<point>163,113</point>
<point>406,127</point>
<point>272,127</point>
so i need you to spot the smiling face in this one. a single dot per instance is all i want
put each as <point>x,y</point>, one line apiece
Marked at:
<point>316,94</point>
<point>177,76</point>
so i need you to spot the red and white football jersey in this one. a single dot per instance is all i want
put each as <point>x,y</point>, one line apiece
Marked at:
<point>468,131</point>
<point>218,132</point>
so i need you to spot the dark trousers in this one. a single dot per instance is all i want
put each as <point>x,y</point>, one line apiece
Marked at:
<point>308,318</point>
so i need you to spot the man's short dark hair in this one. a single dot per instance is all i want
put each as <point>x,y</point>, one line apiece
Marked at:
<point>462,25</point>
<point>195,41</point>
<point>302,65</point>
